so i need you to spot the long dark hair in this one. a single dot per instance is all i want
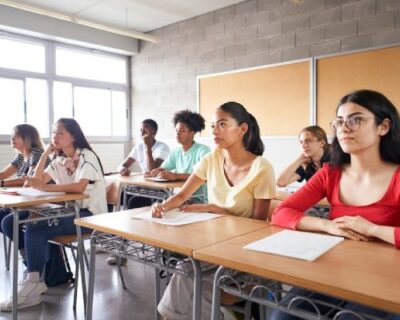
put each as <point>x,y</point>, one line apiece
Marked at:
<point>80,141</point>
<point>29,135</point>
<point>251,140</point>
<point>382,108</point>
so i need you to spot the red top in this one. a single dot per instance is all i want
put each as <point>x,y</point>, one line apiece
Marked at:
<point>325,183</point>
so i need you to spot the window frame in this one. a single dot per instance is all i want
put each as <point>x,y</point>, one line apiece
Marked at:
<point>50,77</point>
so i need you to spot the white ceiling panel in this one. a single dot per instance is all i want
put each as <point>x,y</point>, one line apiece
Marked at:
<point>139,15</point>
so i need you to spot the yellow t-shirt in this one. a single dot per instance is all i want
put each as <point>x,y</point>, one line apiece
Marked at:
<point>259,183</point>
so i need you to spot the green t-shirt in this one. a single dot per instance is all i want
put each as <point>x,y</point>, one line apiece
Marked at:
<point>180,161</point>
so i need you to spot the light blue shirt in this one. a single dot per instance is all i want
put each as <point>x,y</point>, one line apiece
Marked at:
<point>180,161</point>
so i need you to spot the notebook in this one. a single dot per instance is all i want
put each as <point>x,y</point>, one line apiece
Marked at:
<point>295,244</point>
<point>176,217</point>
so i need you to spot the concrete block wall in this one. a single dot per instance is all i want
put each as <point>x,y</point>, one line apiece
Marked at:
<point>249,34</point>
<point>252,33</point>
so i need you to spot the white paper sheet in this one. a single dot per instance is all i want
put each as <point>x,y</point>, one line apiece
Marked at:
<point>30,192</point>
<point>176,217</point>
<point>295,244</point>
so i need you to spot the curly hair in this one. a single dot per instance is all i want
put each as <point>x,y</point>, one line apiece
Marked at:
<point>193,120</point>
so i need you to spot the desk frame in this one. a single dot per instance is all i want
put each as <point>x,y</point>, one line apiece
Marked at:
<point>268,293</point>
<point>50,214</point>
<point>149,255</point>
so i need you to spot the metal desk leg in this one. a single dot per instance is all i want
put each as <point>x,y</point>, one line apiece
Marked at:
<point>216,299</point>
<point>92,268</point>
<point>80,261</point>
<point>157,291</point>
<point>15,265</point>
<point>118,206</point>
<point>196,289</point>
<point>124,199</point>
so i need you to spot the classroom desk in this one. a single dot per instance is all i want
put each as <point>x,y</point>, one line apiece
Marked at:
<point>282,195</point>
<point>137,185</point>
<point>50,213</point>
<point>178,239</point>
<point>362,272</point>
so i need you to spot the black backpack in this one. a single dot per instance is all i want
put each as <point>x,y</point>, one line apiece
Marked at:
<point>56,271</point>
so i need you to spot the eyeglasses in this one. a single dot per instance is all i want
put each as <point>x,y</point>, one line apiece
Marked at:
<point>352,123</point>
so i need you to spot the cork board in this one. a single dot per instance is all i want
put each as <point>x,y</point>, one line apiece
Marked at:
<point>377,70</point>
<point>278,96</point>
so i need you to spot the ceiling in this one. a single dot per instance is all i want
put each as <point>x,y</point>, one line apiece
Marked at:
<point>138,15</point>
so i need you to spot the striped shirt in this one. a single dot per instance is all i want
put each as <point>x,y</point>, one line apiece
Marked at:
<point>22,165</point>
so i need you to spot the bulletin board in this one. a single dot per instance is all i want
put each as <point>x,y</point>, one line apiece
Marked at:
<point>278,96</point>
<point>377,70</point>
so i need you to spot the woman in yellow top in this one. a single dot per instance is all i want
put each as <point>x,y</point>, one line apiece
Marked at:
<point>240,182</point>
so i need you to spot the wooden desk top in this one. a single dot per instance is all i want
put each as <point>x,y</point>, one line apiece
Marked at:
<point>282,195</point>
<point>364,272</point>
<point>181,239</point>
<point>11,201</point>
<point>139,180</point>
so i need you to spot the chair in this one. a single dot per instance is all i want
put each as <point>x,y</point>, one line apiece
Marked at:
<point>70,242</point>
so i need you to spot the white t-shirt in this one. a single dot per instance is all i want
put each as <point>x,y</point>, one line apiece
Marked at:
<point>88,168</point>
<point>160,150</point>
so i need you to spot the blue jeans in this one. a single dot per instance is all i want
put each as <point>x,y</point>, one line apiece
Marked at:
<point>7,223</point>
<point>355,307</point>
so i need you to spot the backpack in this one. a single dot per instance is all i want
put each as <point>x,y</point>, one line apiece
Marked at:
<point>56,272</point>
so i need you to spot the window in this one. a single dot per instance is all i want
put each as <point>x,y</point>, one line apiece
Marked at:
<point>13,55</point>
<point>98,111</point>
<point>12,96</point>
<point>88,65</point>
<point>90,86</point>
<point>37,105</point>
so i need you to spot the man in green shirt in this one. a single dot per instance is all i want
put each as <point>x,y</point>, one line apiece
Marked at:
<point>179,164</point>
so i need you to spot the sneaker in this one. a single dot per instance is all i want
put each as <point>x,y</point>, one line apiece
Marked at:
<point>112,260</point>
<point>29,294</point>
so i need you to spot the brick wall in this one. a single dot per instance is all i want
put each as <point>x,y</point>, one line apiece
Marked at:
<point>252,33</point>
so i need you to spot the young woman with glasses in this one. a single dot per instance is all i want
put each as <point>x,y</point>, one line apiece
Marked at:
<point>362,182</point>
<point>315,152</point>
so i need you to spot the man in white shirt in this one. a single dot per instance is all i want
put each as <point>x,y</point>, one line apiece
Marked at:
<point>149,153</point>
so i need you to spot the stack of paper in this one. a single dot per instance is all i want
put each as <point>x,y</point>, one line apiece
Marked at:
<point>295,244</point>
<point>29,192</point>
<point>176,217</point>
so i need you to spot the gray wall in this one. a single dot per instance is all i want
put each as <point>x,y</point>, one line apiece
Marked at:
<point>252,33</point>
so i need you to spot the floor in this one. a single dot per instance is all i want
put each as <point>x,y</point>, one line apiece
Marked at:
<point>111,301</point>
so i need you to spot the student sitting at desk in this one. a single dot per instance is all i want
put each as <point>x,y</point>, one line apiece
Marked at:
<point>315,152</point>
<point>149,153</point>
<point>179,164</point>
<point>75,169</point>
<point>240,182</point>
<point>29,147</point>
<point>362,183</point>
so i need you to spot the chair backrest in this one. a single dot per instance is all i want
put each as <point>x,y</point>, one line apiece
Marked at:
<point>274,203</point>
